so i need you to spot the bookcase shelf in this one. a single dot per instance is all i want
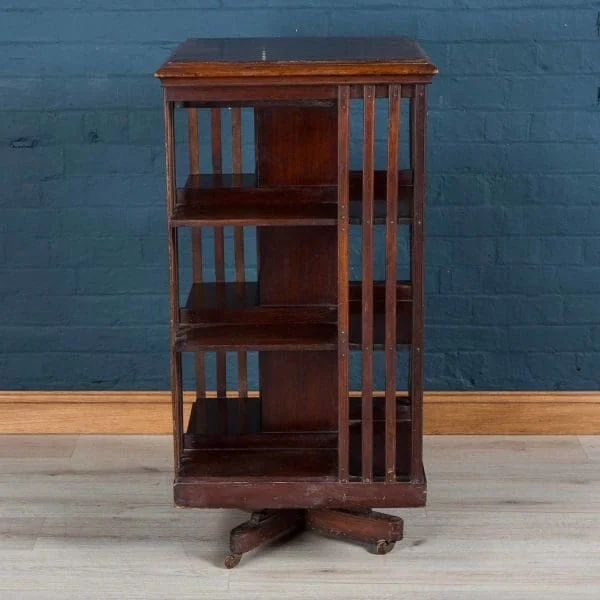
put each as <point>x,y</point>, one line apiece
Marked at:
<point>229,316</point>
<point>237,200</point>
<point>293,443</point>
<point>252,337</point>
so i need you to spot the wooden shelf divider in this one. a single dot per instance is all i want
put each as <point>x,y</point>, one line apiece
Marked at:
<point>236,199</point>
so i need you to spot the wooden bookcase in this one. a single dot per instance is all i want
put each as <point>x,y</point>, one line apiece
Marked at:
<point>304,452</point>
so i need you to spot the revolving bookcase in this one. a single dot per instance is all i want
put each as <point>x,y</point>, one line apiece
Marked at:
<point>300,450</point>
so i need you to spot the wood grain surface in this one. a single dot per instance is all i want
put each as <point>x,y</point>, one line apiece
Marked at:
<point>140,412</point>
<point>280,57</point>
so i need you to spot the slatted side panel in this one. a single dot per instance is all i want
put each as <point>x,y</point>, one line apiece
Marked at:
<point>194,169</point>
<point>367,283</point>
<point>175,363</point>
<point>411,129</point>
<point>219,251</point>
<point>417,118</point>
<point>391,238</point>
<point>343,284</point>
<point>238,249</point>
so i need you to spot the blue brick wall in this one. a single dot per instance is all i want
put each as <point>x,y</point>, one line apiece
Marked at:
<point>513,217</point>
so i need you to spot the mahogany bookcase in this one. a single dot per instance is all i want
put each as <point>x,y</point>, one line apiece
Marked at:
<point>301,451</point>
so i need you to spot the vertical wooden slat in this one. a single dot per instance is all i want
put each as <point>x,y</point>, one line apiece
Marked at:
<point>236,168</point>
<point>390,280</point>
<point>194,169</point>
<point>412,103</point>
<point>343,284</point>
<point>215,140</point>
<point>193,150</point>
<point>238,250</point>
<point>219,249</point>
<point>416,367</point>
<point>175,362</point>
<point>367,284</point>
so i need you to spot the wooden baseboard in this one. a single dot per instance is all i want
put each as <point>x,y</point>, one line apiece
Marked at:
<point>543,413</point>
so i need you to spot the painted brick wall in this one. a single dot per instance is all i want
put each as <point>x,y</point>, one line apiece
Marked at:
<point>513,218</point>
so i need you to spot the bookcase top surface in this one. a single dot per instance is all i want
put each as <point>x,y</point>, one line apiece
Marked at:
<point>297,56</point>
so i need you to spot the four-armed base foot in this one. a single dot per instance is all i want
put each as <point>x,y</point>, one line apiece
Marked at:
<point>262,527</point>
<point>378,531</point>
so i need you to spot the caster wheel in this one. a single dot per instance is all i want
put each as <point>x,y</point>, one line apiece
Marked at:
<point>232,560</point>
<point>384,546</point>
<point>257,517</point>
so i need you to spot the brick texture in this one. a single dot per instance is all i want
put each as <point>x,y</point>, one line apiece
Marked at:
<point>513,215</point>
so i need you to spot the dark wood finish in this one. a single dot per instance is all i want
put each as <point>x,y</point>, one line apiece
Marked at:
<point>175,362</point>
<point>252,464</point>
<point>393,130</point>
<point>297,494</point>
<point>304,454</point>
<point>196,437</point>
<point>238,249</point>
<point>204,424</point>
<point>239,214</point>
<point>267,441</point>
<point>215,141</point>
<point>323,336</point>
<point>299,406</point>
<point>257,96</point>
<point>378,530</point>
<point>228,304</point>
<point>238,303</point>
<point>404,197</point>
<point>378,460</point>
<point>343,268</point>
<point>291,57</point>
<point>307,273</point>
<point>264,526</point>
<point>256,337</point>
<point>402,404</point>
<point>229,200</point>
<point>403,292</point>
<point>194,170</point>
<point>367,283</point>
<point>296,146</point>
<point>193,146</point>
<point>379,327</point>
<point>297,266</point>
<point>219,254</point>
<point>185,91</point>
<point>416,273</point>
<point>254,96</point>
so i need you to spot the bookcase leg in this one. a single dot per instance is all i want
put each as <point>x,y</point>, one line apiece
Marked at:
<point>377,530</point>
<point>262,527</point>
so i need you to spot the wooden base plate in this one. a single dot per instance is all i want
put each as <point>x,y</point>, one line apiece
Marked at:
<point>378,531</point>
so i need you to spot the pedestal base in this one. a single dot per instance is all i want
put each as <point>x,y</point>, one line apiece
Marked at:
<point>378,531</point>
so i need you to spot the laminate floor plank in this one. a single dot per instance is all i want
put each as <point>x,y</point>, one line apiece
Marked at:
<point>591,446</point>
<point>112,453</point>
<point>19,533</point>
<point>514,517</point>
<point>37,446</point>
<point>482,451</point>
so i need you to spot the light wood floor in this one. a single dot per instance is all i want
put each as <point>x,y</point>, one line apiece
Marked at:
<point>91,517</point>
